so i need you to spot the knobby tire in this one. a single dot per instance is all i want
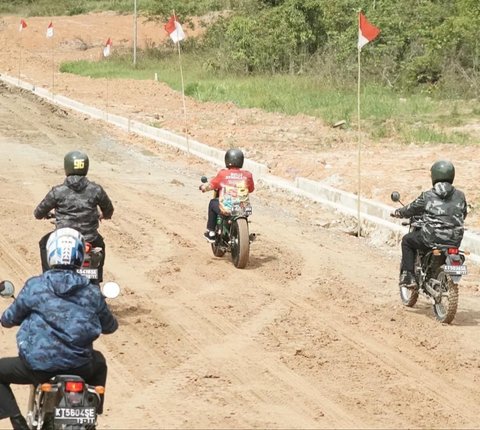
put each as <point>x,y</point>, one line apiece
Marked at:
<point>240,243</point>
<point>446,309</point>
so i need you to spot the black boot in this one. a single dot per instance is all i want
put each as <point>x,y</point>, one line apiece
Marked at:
<point>19,422</point>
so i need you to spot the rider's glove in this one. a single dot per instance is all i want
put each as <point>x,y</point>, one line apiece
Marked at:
<point>396,214</point>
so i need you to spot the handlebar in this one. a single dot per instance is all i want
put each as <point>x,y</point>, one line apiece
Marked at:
<point>7,289</point>
<point>204,180</point>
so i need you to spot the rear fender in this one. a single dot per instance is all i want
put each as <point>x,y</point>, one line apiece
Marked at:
<point>94,258</point>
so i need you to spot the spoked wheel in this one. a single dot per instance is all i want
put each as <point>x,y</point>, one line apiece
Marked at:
<point>217,248</point>
<point>240,243</point>
<point>446,308</point>
<point>409,296</point>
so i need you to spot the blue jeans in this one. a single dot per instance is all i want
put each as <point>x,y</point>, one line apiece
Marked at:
<point>213,211</point>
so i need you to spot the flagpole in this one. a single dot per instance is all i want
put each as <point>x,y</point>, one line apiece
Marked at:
<point>134,33</point>
<point>20,57</point>
<point>359,228</point>
<point>183,91</point>
<point>107,97</point>
<point>53,69</point>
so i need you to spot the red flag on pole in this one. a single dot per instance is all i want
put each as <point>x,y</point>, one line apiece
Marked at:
<point>366,31</point>
<point>174,29</point>
<point>23,25</point>
<point>50,30</point>
<point>107,48</point>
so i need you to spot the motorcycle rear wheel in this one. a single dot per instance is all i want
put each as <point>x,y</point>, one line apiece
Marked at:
<point>48,423</point>
<point>240,243</point>
<point>446,309</point>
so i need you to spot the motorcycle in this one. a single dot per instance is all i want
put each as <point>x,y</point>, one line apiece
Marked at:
<point>93,257</point>
<point>65,402</point>
<point>232,233</point>
<point>438,272</point>
<point>91,263</point>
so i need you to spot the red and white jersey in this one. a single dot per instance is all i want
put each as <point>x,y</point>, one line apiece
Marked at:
<point>233,186</point>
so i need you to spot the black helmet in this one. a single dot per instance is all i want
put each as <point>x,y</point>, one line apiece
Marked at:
<point>76,163</point>
<point>442,171</point>
<point>234,158</point>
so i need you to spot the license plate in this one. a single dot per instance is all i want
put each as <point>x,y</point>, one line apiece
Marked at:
<point>89,273</point>
<point>455,270</point>
<point>75,415</point>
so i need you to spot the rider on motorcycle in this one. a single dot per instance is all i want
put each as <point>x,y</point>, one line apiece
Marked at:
<point>76,204</point>
<point>60,314</point>
<point>442,210</point>
<point>232,176</point>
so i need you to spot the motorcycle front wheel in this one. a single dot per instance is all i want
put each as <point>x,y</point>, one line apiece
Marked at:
<point>409,296</point>
<point>240,245</point>
<point>446,308</point>
<point>218,247</point>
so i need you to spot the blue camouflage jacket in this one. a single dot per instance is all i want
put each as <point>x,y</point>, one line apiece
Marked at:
<point>60,314</point>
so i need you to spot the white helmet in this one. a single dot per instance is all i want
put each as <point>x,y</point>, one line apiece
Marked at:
<point>65,247</point>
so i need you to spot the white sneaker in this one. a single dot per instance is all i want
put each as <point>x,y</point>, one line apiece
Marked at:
<point>209,236</point>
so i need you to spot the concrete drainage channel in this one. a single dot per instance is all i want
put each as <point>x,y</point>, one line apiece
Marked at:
<point>374,215</point>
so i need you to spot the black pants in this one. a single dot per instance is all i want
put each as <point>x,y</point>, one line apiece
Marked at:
<point>13,370</point>
<point>97,242</point>
<point>410,243</point>
<point>213,211</point>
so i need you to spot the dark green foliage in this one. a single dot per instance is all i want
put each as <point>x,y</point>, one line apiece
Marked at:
<point>421,45</point>
<point>424,45</point>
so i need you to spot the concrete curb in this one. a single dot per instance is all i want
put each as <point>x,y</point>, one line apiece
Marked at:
<point>370,210</point>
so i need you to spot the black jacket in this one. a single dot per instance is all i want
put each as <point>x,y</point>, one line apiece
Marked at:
<point>76,204</point>
<point>443,210</point>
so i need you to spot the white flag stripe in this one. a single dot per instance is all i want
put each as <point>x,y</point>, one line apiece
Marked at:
<point>178,34</point>
<point>362,40</point>
<point>50,30</point>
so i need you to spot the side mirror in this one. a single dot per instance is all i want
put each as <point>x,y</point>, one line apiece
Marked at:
<point>7,289</point>
<point>395,196</point>
<point>204,179</point>
<point>110,290</point>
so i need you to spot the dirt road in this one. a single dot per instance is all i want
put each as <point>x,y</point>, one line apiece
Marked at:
<point>310,335</point>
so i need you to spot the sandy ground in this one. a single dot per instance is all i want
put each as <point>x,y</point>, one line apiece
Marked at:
<point>310,335</point>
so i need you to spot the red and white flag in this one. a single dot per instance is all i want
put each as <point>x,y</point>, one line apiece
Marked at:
<point>50,30</point>
<point>174,29</point>
<point>366,31</point>
<point>107,48</point>
<point>23,25</point>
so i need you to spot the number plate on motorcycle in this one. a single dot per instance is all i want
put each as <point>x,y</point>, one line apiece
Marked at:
<point>89,273</point>
<point>75,415</point>
<point>455,270</point>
